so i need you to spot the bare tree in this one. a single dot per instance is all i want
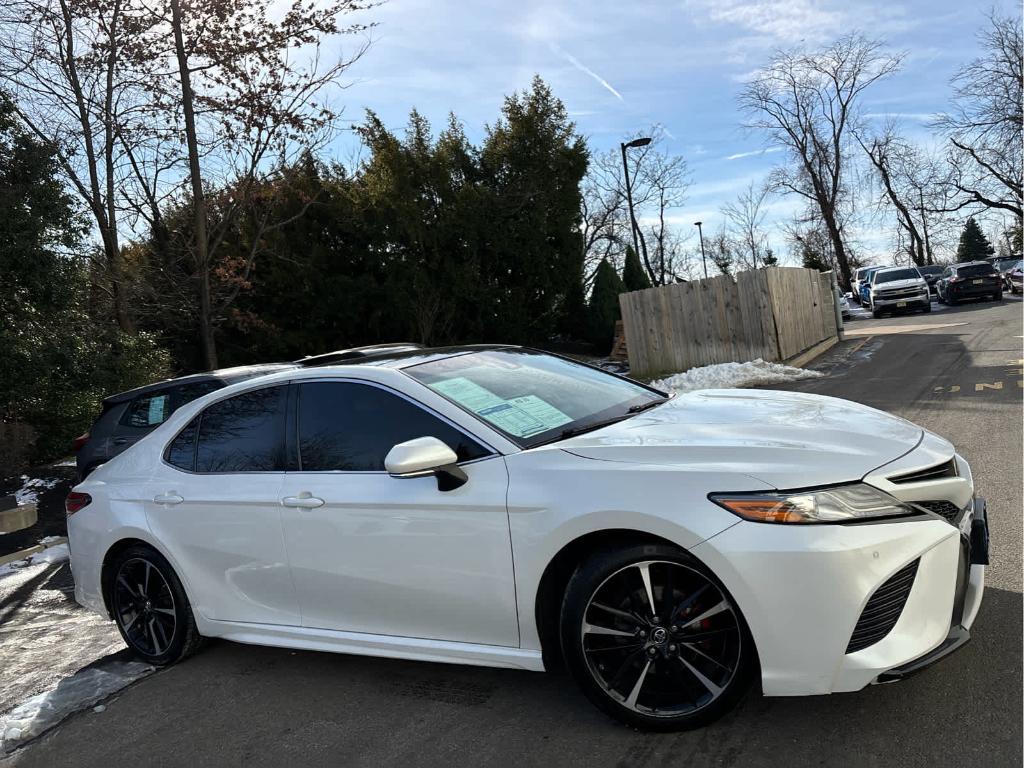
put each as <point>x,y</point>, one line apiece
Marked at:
<point>63,62</point>
<point>745,221</point>
<point>659,182</point>
<point>245,89</point>
<point>984,122</point>
<point>808,103</point>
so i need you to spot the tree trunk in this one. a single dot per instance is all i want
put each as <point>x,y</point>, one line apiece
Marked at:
<point>837,244</point>
<point>201,248</point>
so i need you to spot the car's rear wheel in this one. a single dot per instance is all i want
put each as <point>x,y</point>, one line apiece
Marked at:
<point>150,608</point>
<point>654,639</point>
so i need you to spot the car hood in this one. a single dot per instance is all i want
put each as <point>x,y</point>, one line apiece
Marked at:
<point>896,285</point>
<point>784,439</point>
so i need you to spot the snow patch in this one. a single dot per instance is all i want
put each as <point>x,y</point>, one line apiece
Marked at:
<point>80,691</point>
<point>52,554</point>
<point>31,487</point>
<point>733,375</point>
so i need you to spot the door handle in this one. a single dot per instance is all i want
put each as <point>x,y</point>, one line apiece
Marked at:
<point>168,498</point>
<point>304,500</point>
<point>122,440</point>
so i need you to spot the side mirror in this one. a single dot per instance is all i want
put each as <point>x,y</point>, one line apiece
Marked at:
<point>426,456</point>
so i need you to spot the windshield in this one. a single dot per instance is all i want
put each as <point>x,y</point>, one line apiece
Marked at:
<point>897,274</point>
<point>973,270</point>
<point>530,396</point>
<point>930,270</point>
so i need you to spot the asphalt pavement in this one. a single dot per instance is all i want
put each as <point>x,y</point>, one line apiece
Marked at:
<point>251,706</point>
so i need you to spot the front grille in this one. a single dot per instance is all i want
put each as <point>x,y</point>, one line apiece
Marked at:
<point>900,293</point>
<point>883,609</point>
<point>945,509</point>
<point>945,469</point>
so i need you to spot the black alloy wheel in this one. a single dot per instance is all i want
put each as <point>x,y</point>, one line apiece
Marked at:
<point>150,608</point>
<point>654,639</point>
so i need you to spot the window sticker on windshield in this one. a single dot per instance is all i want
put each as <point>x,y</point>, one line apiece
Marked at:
<point>467,393</point>
<point>513,420</point>
<point>542,410</point>
<point>519,416</point>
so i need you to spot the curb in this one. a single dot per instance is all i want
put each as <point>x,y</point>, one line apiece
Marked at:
<point>799,361</point>
<point>29,551</point>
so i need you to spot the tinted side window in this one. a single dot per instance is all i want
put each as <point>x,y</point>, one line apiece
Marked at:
<point>244,433</point>
<point>148,411</point>
<point>352,427</point>
<point>181,452</point>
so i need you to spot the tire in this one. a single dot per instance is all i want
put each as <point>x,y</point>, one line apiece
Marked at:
<point>150,607</point>
<point>927,308</point>
<point>635,673</point>
<point>997,296</point>
<point>876,313</point>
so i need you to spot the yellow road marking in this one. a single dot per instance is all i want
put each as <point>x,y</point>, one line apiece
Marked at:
<point>995,385</point>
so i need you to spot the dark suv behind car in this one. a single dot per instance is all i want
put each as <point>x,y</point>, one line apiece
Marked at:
<point>130,416</point>
<point>970,280</point>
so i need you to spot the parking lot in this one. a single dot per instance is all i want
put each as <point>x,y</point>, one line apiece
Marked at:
<point>959,376</point>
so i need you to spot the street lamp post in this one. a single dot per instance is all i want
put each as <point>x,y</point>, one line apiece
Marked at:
<point>703,256</point>
<point>634,227</point>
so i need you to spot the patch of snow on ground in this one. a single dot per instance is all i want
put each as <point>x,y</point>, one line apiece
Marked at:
<point>733,375</point>
<point>30,488</point>
<point>52,554</point>
<point>83,689</point>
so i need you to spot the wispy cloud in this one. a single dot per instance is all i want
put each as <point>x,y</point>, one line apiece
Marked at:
<point>586,70</point>
<point>923,117</point>
<point>754,152</point>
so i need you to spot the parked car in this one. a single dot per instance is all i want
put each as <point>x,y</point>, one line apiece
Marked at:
<point>898,288</point>
<point>1014,278</point>
<point>506,507</point>
<point>1005,267</point>
<point>864,285</point>
<point>860,276</point>
<point>129,416</point>
<point>931,273</point>
<point>970,280</point>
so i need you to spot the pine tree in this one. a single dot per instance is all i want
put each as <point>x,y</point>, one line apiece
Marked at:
<point>974,246</point>
<point>603,310</point>
<point>770,259</point>
<point>634,278</point>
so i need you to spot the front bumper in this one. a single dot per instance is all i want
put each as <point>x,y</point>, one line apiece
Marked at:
<point>919,300</point>
<point>802,590</point>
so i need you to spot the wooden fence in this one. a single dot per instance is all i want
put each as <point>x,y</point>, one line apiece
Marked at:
<point>772,314</point>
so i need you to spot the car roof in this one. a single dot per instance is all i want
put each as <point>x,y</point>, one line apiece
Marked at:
<point>222,375</point>
<point>408,357</point>
<point>892,269</point>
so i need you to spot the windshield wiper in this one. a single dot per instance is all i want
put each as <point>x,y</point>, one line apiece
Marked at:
<point>644,406</point>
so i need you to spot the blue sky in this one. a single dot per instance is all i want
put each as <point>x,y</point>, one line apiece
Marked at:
<point>621,66</point>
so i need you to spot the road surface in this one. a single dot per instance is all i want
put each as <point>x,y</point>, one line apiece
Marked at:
<point>249,706</point>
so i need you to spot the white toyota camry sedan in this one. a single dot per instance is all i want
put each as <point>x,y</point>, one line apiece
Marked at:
<point>502,506</point>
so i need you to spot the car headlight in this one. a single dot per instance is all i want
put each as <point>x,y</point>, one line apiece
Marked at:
<point>830,505</point>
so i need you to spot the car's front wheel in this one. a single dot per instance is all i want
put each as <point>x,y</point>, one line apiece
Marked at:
<point>654,639</point>
<point>150,608</point>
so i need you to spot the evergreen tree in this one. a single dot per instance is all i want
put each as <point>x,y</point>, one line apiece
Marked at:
<point>603,310</point>
<point>770,259</point>
<point>59,356</point>
<point>974,246</point>
<point>634,276</point>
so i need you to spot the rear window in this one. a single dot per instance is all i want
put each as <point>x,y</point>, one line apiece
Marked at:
<point>148,411</point>
<point>974,270</point>
<point>896,274</point>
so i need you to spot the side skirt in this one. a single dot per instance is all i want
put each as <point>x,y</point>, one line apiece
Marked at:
<point>362,644</point>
